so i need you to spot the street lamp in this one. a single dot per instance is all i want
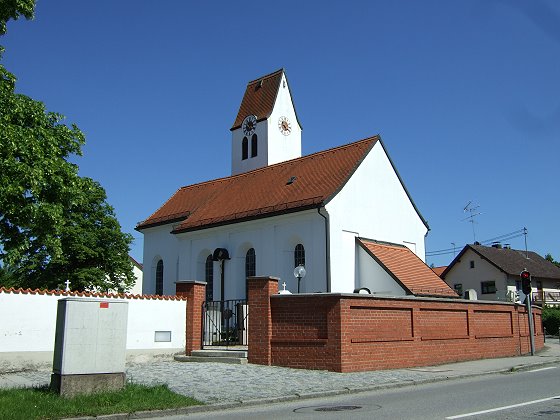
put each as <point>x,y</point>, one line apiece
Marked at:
<point>299,273</point>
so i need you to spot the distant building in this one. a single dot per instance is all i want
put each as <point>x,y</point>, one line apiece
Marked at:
<point>494,272</point>
<point>138,271</point>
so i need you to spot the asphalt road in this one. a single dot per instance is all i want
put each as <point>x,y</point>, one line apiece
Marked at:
<point>515,395</point>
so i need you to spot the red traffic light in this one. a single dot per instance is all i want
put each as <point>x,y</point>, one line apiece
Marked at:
<point>525,275</point>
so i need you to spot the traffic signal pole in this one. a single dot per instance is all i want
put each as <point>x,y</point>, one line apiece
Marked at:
<point>531,332</point>
<point>526,287</point>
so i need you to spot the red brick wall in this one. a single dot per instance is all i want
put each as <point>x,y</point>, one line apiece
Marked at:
<point>346,333</point>
<point>195,292</point>
<point>259,290</point>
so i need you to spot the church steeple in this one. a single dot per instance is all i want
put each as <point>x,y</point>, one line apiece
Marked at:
<point>266,129</point>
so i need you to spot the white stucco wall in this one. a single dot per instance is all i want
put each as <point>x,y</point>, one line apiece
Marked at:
<point>159,243</point>
<point>281,147</point>
<point>274,240</point>
<point>373,204</point>
<point>28,337</point>
<point>471,278</point>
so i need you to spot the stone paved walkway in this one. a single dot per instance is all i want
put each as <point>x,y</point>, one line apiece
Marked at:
<point>222,383</point>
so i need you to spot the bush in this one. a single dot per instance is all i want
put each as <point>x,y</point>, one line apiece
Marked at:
<point>551,319</point>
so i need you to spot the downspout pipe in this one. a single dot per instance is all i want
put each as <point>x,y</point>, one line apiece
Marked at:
<point>327,246</point>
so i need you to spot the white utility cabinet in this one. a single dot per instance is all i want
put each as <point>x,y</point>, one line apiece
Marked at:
<point>90,336</point>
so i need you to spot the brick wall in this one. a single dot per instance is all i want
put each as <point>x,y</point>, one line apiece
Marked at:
<point>195,292</point>
<point>347,333</point>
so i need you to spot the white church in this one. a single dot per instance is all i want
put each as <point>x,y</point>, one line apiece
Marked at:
<point>343,213</point>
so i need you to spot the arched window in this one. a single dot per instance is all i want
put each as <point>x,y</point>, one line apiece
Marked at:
<point>254,145</point>
<point>159,278</point>
<point>250,263</point>
<point>299,255</point>
<point>244,148</point>
<point>209,277</point>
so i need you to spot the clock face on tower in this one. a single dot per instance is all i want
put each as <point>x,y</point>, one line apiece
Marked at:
<point>249,125</point>
<point>284,126</point>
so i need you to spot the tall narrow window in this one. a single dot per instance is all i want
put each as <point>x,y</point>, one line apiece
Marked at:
<point>159,278</point>
<point>250,268</point>
<point>254,145</point>
<point>244,148</point>
<point>209,277</point>
<point>250,263</point>
<point>299,255</point>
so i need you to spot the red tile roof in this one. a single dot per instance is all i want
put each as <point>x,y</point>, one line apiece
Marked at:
<point>407,268</point>
<point>439,270</point>
<point>260,97</point>
<point>20,291</point>
<point>263,192</point>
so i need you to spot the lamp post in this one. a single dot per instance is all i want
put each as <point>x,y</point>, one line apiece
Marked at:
<point>299,273</point>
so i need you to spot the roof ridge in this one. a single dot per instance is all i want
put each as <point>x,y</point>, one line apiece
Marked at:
<point>383,243</point>
<point>267,76</point>
<point>264,168</point>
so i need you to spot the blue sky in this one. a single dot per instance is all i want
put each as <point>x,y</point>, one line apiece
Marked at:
<point>465,94</point>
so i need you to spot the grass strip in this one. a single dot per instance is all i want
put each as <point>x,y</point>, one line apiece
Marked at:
<point>42,403</point>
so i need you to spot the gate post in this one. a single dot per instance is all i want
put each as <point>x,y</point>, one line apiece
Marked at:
<point>195,292</point>
<point>260,318</point>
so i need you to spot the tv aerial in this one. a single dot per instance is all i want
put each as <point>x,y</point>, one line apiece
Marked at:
<point>471,208</point>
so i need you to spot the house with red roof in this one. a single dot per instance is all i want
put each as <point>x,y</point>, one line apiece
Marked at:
<point>343,213</point>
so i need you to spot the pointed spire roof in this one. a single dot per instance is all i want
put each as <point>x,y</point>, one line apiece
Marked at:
<point>259,98</point>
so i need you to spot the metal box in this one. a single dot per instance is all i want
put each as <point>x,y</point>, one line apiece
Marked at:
<point>90,336</point>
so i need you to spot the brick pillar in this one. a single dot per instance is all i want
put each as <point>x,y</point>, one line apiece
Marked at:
<point>195,292</point>
<point>260,318</point>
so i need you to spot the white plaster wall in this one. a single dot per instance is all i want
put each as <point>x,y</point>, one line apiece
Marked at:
<point>160,243</point>
<point>471,278</point>
<point>371,275</point>
<point>373,204</point>
<point>274,240</point>
<point>28,337</point>
<point>281,147</point>
<point>239,165</point>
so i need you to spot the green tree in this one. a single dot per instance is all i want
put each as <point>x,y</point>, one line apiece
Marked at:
<point>548,257</point>
<point>54,225</point>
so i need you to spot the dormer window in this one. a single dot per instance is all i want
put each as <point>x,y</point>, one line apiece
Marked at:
<point>244,148</point>
<point>254,145</point>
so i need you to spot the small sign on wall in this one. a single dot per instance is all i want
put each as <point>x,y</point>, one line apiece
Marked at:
<point>162,337</point>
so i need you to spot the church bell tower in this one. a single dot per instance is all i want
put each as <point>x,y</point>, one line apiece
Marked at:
<point>266,129</point>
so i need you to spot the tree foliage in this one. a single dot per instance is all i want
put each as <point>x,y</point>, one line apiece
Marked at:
<point>54,225</point>
<point>548,257</point>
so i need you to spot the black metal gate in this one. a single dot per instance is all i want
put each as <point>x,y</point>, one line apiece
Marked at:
<point>225,323</point>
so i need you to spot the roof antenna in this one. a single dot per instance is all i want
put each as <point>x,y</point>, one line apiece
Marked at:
<point>525,234</point>
<point>471,208</point>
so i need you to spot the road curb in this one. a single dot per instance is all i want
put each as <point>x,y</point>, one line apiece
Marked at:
<point>310,395</point>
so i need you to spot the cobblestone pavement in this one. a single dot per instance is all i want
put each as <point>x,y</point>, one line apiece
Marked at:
<point>217,382</point>
<point>223,383</point>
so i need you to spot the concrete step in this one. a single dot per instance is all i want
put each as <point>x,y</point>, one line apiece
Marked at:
<point>211,359</point>
<point>220,353</point>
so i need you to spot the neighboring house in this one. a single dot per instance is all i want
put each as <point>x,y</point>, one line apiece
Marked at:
<point>136,289</point>
<point>279,210</point>
<point>494,272</point>
<point>137,270</point>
